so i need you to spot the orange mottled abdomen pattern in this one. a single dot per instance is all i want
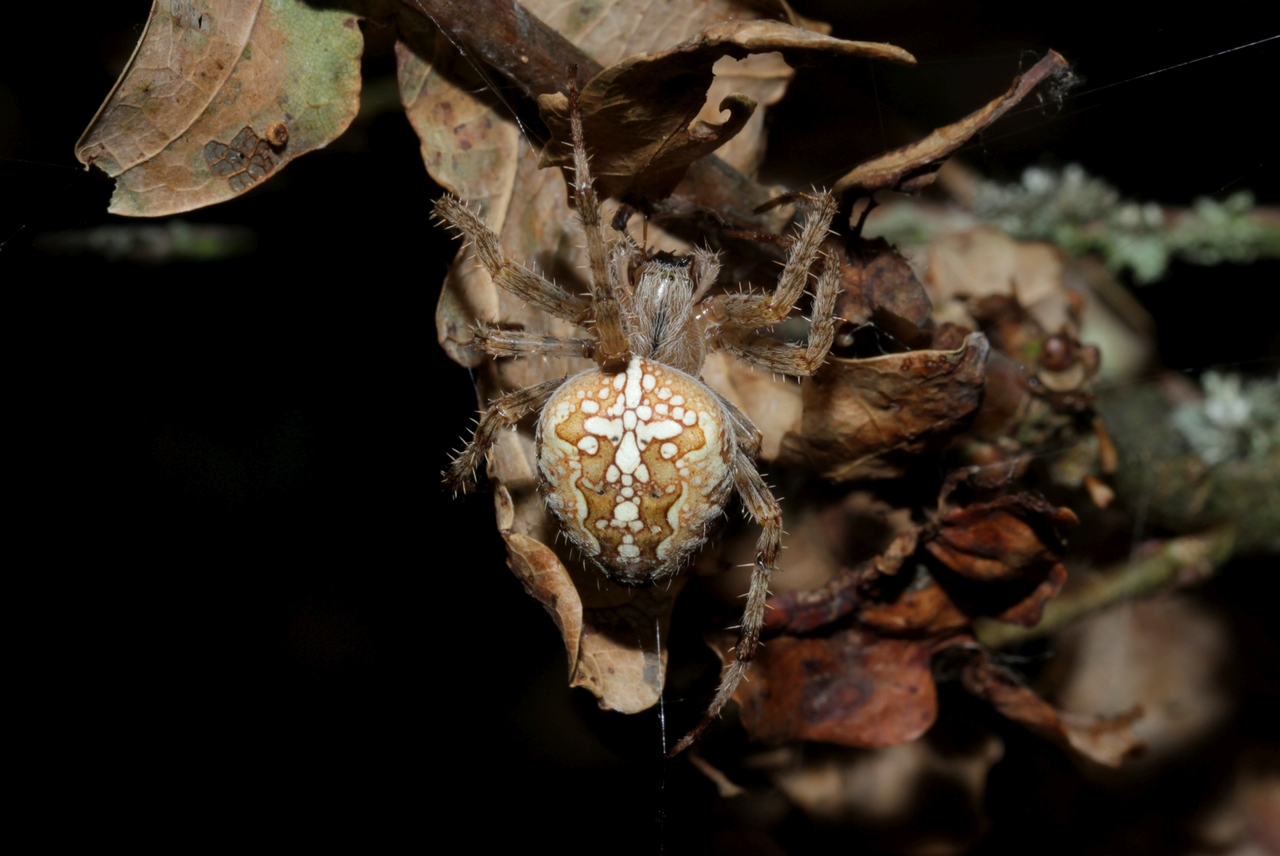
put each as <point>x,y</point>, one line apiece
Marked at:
<point>635,465</point>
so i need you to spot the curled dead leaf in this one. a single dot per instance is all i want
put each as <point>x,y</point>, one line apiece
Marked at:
<point>1107,740</point>
<point>1002,539</point>
<point>211,89</point>
<point>804,611</point>
<point>622,661</point>
<point>1028,611</point>
<point>860,415</point>
<point>544,577</point>
<point>640,114</point>
<point>878,286</point>
<point>910,168</point>
<point>772,402</point>
<point>984,262</point>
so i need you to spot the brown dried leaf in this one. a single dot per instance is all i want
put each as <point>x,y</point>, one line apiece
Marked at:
<point>984,262</point>
<point>544,577</point>
<point>916,797</point>
<point>923,607</point>
<point>622,662</point>
<point>1002,539</point>
<point>852,688</point>
<point>1028,611</point>
<point>1106,740</point>
<point>802,611</point>
<point>860,414</point>
<point>878,286</point>
<point>467,144</point>
<point>805,611</point>
<point>640,115</point>
<point>1171,654</point>
<point>910,168</point>
<point>218,96</point>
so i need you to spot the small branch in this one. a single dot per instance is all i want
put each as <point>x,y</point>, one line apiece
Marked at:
<point>536,58</point>
<point>1177,562</point>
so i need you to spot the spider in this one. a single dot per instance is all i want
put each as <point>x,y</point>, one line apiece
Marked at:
<point>637,456</point>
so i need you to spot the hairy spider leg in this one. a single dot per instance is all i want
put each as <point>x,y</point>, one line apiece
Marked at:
<point>506,411</point>
<point>772,355</point>
<point>515,278</point>
<point>750,311</point>
<point>498,342</point>
<point>764,510</point>
<point>611,332</point>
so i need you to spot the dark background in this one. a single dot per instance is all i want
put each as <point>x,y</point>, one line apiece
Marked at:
<point>244,596</point>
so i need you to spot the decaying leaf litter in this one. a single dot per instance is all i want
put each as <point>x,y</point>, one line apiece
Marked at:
<point>976,373</point>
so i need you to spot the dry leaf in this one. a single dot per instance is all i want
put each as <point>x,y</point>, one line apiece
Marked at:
<point>804,611</point>
<point>984,261</point>
<point>859,415</point>
<point>468,146</point>
<point>910,168</point>
<point>544,577</point>
<point>923,607</point>
<point>639,113</point>
<point>852,688</point>
<point>1002,539</point>
<point>772,402</point>
<point>1169,654</point>
<point>218,96</point>
<point>1028,611</point>
<point>879,287</point>
<point>1106,740</point>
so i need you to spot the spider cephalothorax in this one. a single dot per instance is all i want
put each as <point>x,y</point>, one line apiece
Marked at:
<point>638,456</point>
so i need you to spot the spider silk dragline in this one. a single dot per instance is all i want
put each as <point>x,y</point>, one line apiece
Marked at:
<point>638,456</point>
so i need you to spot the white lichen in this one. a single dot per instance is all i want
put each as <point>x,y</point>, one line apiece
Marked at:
<point>1237,419</point>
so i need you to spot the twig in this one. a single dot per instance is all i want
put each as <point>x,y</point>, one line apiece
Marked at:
<point>1179,561</point>
<point>534,57</point>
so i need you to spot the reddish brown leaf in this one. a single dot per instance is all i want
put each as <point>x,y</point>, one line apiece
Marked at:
<point>640,114</point>
<point>1106,740</point>
<point>1002,539</point>
<point>805,611</point>
<point>859,415</point>
<point>924,607</point>
<point>912,167</point>
<point>1030,609</point>
<point>852,688</point>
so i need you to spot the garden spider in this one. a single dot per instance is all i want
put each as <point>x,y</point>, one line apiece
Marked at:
<point>637,456</point>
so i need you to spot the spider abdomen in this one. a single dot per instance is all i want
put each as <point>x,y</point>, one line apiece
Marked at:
<point>636,466</point>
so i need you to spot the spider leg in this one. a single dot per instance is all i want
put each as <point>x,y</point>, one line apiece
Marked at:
<point>611,329</point>
<point>516,278</point>
<point>773,355</point>
<point>748,311</point>
<point>507,410</point>
<point>706,270</point>
<point>747,434</point>
<point>622,253</point>
<point>517,343</point>
<point>763,508</point>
